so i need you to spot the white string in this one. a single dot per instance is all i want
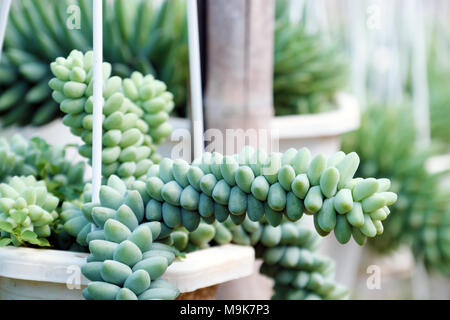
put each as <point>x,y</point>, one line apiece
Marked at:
<point>98,101</point>
<point>195,79</point>
<point>4,12</point>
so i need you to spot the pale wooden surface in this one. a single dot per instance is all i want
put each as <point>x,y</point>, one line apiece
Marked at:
<point>239,68</point>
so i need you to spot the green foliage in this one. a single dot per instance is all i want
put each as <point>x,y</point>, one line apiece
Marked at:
<point>183,206</point>
<point>27,212</point>
<point>138,35</point>
<point>421,216</point>
<point>308,71</point>
<point>439,101</point>
<point>289,257</point>
<point>288,252</point>
<point>151,39</point>
<point>125,243</point>
<point>125,261</point>
<point>176,206</point>
<point>35,157</point>
<point>135,113</point>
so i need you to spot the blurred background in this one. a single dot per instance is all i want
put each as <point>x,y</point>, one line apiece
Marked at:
<point>371,76</point>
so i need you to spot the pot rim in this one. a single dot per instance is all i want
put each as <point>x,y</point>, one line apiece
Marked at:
<point>199,269</point>
<point>326,124</point>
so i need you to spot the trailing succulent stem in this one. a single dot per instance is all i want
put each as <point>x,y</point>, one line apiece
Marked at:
<point>421,216</point>
<point>250,186</point>
<point>135,113</point>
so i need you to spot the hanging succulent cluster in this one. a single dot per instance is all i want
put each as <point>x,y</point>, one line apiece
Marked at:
<point>275,186</point>
<point>421,216</point>
<point>289,257</point>
<point>308,71</point>
<point>135,113</point>
<point>115,265</point>
<point>249,188</point>
<point>288,252</point>
<point>27,212</point>
<point>255,185</point>
<point>139,35</point>
<point>35,157</point>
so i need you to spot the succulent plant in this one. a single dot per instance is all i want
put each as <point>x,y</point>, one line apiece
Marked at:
<point>182,206</point>
<point>45,162</point>
<point>421,216</point>
<point>37,34</point>
<point>28,211</point>
<point>135,113</point>
<point>308,71</point>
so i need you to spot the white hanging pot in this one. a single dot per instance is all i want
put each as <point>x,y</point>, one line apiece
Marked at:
<point>43,274</point>
<point>319,132</point>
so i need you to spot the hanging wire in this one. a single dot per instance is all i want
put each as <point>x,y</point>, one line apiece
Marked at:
<point>195,79</point>
<point>98,100</point>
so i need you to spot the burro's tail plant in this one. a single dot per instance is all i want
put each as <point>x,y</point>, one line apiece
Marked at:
<point>288,253</point>
<point>308,70</point>
<point>289,257</point>
<point>421,216</point>
<point>27,212</point>
<point>135,112</point>
<point>263,187</point>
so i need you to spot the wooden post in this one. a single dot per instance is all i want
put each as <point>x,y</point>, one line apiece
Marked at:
<point>239,68</point>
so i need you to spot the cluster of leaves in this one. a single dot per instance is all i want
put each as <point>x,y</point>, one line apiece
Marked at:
<point>421,216</point>
<point>151,38</point>
<point>140,35</point>
<point>308,71</point>
<point>44,162</point>
<point>128,237</point>
<point>27,212</point>
<point>438,83</point>
<point>46,168</point>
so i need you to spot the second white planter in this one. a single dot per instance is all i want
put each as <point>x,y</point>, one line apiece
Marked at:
<point>321,132</point>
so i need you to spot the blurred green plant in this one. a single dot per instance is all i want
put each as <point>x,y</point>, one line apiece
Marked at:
<point>420,218</point>
<point>439,83</point>
<point>308,71</point>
